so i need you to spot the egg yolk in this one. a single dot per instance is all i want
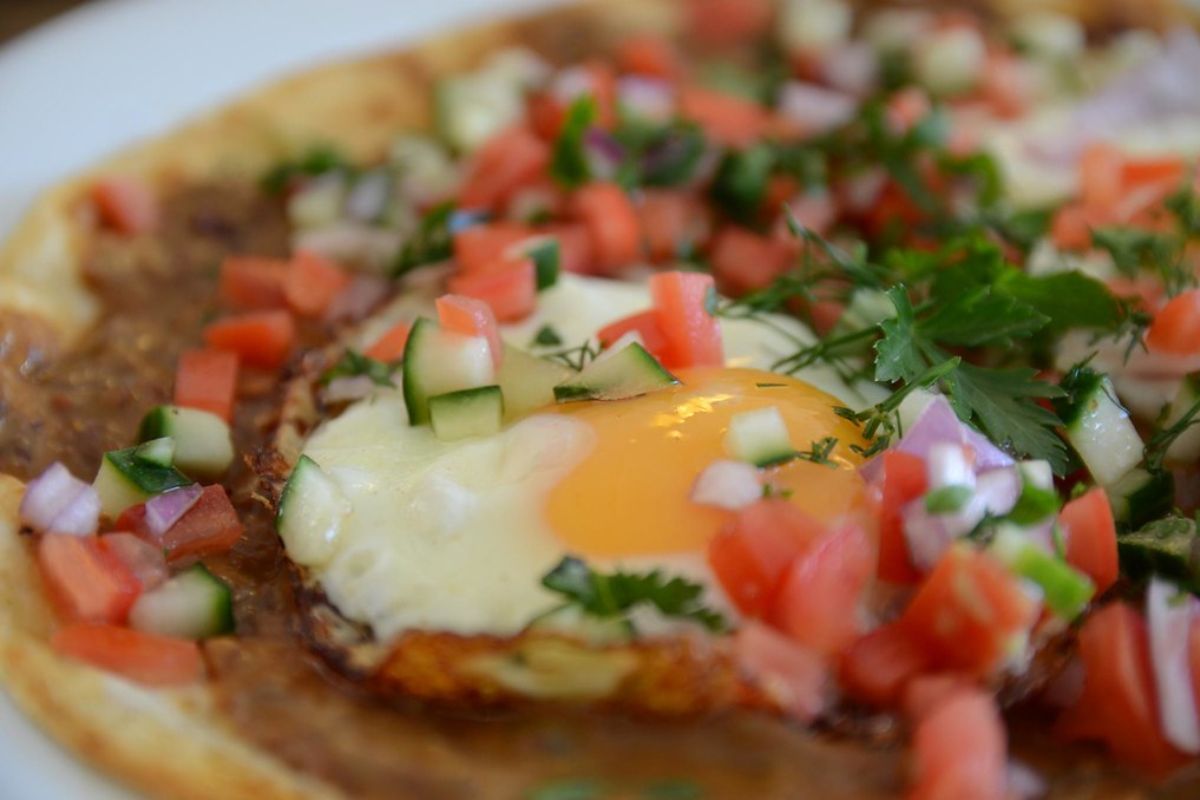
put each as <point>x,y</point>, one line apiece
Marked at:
<point>630,494</point>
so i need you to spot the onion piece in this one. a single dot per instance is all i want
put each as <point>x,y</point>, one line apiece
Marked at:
<point>358,299</point>
<point>146,561</point>
<point>164,510</point>
<point>998,490</point>
<point>1169,623</point>
<point>727,484</point>
<point>603,152</point>
<point>852,68</point>
<point>57,501</point>
<point>651,99</point>
<point>369,196</point>
<point>814,108</point>
<point>1024,782</point>
<point>348,389</point>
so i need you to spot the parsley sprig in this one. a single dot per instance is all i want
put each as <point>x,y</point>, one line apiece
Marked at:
<point>614,595</point>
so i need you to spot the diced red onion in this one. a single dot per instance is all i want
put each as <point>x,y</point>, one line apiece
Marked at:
<point>1025,783</point>
<point>815,210</point>
<point>998,490</point>
<point>929,535</point>
<point>938,424</point>
<point>369,196</point>
<point>348,389</point>
<point>603,152</point>
<point>727,484</point>
<point>571,83</point>
<point>145,560</point>
<point>852,68</point>
<point>791,675</point>
<point>358,299</point>
<point>56,501</point>
<point>1169,623</point>
<point>946,464</point>
<point>862,191</point>
<point>815,108</point>
<point>347,241</point>
<point>648,98</point>
<point>164,510</point>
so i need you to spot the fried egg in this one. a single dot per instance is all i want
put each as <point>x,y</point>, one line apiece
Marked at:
<point>456,536</point>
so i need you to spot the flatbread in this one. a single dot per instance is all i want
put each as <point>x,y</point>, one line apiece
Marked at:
<point>174,744</point>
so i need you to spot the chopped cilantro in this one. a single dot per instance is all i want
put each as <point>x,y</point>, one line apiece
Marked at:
<point>352,364</point>
<point>741,181</point>
<point>546,336</point>
<point>569,163</point>
<point>819,451</point>
<point>316,161</point>
<point>430,243</point>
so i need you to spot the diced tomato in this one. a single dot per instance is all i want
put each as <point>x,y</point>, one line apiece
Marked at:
<point>390,346</point>
<point>312,283</point>
<point>574,246</point>
<point>1176,327</point>
<point>904,480</point>
<point>925,693</point>
<point>207,380</point>
<point>1071,228</point>
<point>791,676</point>
<point>1100,173</point>
<point>824,314</point>
<point>693,333</point>
<point>1145,290</point>
<point>1153,171</point>
<point>718,23</point>
<point>819,603</point>
<point>1118,705</point>
<point>481,246</point>
<point>969,612</point>
<point>612,225</point>
<point>815,210</point>
<point>508,161</point>
<point>142,657</point>
<point>145,561</point>
<point>509,287</point>
<point>602,80</point>
<point>727,119</point>
<point>210,526</point>
<point>652,56</point>
<point>1006,85</point>
<point>1091,537</point>
<point>125,204</point>
<point>546,115</point>
<point>751,555</point>
<point>646,325</point>
<point>85,581</point>
<point>668,218</point>
<point>261,338</point>
<point>960,750</point>
<point>471,317</point>
<point>876,668</point>
<point>907,107</point>
<point>744,261</point>
<point>249,282</point>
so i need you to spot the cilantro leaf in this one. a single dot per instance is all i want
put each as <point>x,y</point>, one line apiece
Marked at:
<point>547,336</point>
<point>615,594</point>
<point>1068,299</point>
<point>982,317</point>
<point>432,241</point>
<point>316,161</point>
<point>898,355</point>
<point>352,364</point>
<point>568,162</point>
<point>740,183</point>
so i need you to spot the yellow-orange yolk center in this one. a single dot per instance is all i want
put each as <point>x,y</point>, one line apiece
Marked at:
<point>630,495</point>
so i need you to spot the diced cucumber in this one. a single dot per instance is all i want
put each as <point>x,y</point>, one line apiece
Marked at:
<point>125,480</point>
<point>760,437</point>
<point>1141,496</point>
<point>617,375</point>
<point>1098,426</point>
<point>195,604</point>
<point>527,382</point>
<point>1186,447</point>
<point>467,413</point>
<point>159,452</point>
<point>1167,547</point>
<point>203,445</point>
<point>543,251</point>
<point>1065,589</point>
<point>311,510</point>
<point>437,362</point>
<point>470,108</point>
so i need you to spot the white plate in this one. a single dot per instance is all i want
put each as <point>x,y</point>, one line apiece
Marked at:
<point>114,72</point>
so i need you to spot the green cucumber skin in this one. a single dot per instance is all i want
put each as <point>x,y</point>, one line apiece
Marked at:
<point>414,399</point>
<point>303,464</point>
<point>629,373</point>
<point>470,412</point>
<point>147,477</point>
<point>547,258</point>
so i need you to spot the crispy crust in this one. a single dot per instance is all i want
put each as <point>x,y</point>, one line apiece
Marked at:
<point>125,729</point>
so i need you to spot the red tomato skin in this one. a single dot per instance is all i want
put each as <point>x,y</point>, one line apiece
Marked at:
<point>510,160</point>
<point>744,261</point>
<point>1100,173</point>
<point>727,119</point>
<point>260,338</point>
<point>125,204</point>
<point>904,480</point>
<point>141,657</point>
<point>693,334</point>
<point>86,583</point>
<point>509,287</point>
<point>312,283</point>
<point>574,247</point>
<point>1091,536</point>
<point>250,282</point>
<point>145,561</point>
<point>646,325</point>
<point>752,553</point>
<point>721,23</point>
<point>967,612</point>
<point>668,219</point>
<point>207,379</point>
<point>210,526</point>
<point>1118,705</point>
<point>481,246</point>
<point>471,317</point>
<point>1071,228</point>
<point>819,602</point>
<point>877,667</point>
<point>652,56</point>
<point>390,346</point>
<point>1176,327</point>
<point>790,676</point>
<point>960,750</point>
<point>612,223</point>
